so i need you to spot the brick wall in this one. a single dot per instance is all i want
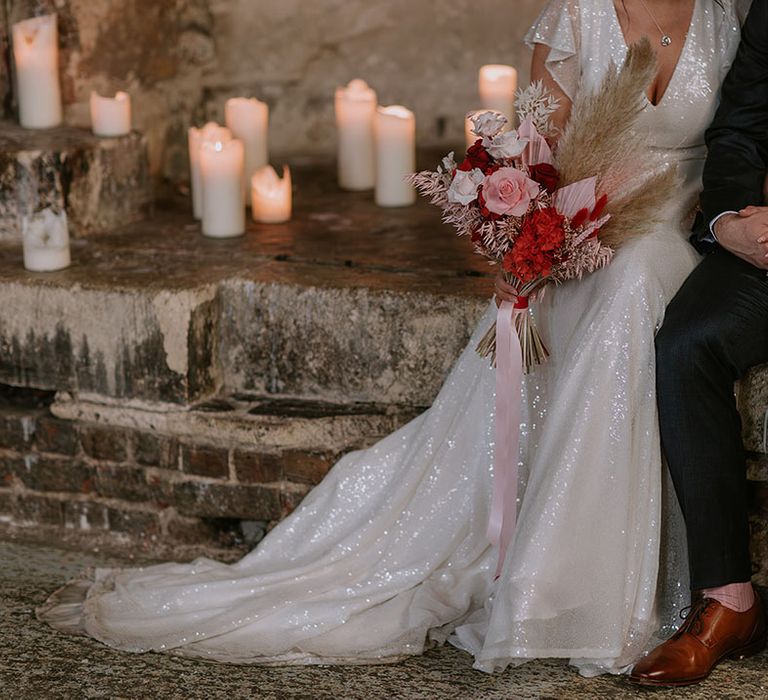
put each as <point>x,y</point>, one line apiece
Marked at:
<point>85,476</point>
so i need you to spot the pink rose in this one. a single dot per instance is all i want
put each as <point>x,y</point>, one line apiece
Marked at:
<point>509,192</point>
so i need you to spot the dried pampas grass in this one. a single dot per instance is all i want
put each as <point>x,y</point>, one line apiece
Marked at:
<point>601,138</point>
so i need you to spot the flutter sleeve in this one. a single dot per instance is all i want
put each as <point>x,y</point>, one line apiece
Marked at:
<point>558,28</point>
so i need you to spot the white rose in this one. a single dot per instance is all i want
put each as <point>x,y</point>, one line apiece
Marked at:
<point>463,189</point>
<point>488,124</point>
<point>506,145</point>
<point>449,162</point>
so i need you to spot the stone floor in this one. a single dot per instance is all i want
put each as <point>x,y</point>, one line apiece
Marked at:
<point>36,663</point>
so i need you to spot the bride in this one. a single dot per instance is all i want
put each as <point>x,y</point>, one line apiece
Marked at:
<point>388,554</point>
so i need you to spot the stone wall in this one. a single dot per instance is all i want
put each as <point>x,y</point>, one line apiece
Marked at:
<point>180,60</point>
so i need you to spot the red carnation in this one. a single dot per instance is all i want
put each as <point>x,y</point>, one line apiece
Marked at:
<point>546,175</point>
<point>477,157</point>
<point>536,247</point>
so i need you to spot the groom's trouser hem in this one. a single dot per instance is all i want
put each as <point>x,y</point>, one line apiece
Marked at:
<point>716,328</point>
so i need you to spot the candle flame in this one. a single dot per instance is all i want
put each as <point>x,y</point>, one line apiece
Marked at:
<point>396,111</point>
<point>269,184</point>
<point>496,71</point>
<point>357,91</point>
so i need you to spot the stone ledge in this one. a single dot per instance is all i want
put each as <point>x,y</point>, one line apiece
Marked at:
<point>158,312</point>
<point>101,183</point>
<point>244,422</point>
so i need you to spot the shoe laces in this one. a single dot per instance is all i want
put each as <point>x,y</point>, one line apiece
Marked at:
<point>692,616</point>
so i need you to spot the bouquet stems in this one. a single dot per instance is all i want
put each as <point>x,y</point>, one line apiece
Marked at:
<point>534,350</point>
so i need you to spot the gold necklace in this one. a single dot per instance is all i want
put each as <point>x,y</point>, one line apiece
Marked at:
<point>666,40</point>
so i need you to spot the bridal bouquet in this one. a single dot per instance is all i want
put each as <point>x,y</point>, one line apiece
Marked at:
<point>549,214</point>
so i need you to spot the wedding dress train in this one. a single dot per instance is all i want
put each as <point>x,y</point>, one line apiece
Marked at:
<point>388,554</point>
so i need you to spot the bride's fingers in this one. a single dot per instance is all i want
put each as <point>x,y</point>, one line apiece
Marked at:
<point>506,287</point>
<point>505,291</point>
<point>749,211</point>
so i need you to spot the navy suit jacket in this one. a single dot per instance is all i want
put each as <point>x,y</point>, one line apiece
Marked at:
<point>737,160</point>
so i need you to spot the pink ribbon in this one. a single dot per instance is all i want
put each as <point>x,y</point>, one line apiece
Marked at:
<point>509,379</point>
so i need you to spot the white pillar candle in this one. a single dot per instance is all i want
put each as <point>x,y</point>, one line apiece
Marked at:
<point>498,84</point>
<point>45,241</point>
<point>469,127</point>
<point>210,133</point>
<point>271,196</point>
<point>248,121</point>
<point>395,156</point>
<point>111,116</point>
<point>355,114</point>
<point>222,165</point>
<point>36,55</point>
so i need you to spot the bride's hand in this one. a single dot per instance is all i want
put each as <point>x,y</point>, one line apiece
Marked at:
<point>504,290</point>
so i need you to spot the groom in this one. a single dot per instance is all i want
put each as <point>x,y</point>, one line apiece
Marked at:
<point>715,330</point>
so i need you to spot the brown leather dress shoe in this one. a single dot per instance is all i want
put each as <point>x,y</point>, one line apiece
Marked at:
<point>711,632</point>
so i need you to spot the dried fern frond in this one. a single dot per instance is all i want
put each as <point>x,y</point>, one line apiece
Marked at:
<point>538,105</point>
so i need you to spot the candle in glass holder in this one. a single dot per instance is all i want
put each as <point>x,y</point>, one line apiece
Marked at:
<point>210,133</point>
<point>355,115</point>
<point>111,116</point>
<point>469,127</point>
<point>222,164</point>
<point>395,156</point>
<point>36,56</point>
<point>497,89</point>
<point>248,121</point>
<point>45,241</point>
<point>271,196</point>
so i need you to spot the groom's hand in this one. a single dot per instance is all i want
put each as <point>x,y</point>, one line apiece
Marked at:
<point>746,235</point>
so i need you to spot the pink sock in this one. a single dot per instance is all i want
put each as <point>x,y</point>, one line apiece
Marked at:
<point>736,596</point>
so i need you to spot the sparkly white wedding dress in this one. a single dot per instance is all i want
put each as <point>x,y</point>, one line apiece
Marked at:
<point>388,554</point>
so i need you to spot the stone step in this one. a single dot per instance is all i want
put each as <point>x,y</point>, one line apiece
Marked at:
<point>170,473</point>
<point>101,183</point>
<point>347,303</point>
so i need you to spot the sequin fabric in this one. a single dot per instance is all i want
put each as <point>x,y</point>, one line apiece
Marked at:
<point>388,554</point>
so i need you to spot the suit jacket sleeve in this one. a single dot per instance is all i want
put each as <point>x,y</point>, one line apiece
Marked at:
<point>735,170</point>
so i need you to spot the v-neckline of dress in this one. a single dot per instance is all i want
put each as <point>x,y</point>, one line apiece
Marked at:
<point>679,58</point>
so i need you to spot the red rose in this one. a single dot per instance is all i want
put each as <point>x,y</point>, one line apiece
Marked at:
<point>535,249</point>
<point>546,175</point>
<point>477,157</point>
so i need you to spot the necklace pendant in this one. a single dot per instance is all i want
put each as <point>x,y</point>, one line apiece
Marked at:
<point>666,40</point>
